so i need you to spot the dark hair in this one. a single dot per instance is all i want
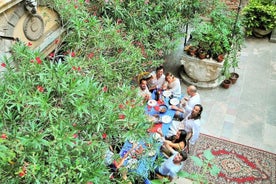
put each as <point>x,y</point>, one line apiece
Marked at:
<point>169,74</point>
<point>184,155</point>
<point>159,68</point>
<point>142,80</point>
<point>200,111</point>
<point>182,137</point>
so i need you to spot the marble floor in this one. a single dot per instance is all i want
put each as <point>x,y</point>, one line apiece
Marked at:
<point>246,112</point>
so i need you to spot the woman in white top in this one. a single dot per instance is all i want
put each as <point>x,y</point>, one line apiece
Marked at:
<point>173,84</point>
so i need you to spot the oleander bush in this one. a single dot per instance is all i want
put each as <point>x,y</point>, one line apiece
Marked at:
<point>59,113</point>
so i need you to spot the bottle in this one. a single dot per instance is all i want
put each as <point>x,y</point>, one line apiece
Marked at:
<point>157,95</point>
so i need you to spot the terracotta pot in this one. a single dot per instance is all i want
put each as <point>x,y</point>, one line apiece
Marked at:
<point>202,55</point>
<point>192,50</point>
<point>234,77</point>
<point>226,83</point>
<point>220,58</point>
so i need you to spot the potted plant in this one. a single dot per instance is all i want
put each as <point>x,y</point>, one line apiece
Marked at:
<point>232,61</point>
<point>233,55</point>
<point>259,17</point>
<point>214,36</point>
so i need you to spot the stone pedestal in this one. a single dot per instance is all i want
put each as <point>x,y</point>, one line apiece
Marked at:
<point>203,73</point>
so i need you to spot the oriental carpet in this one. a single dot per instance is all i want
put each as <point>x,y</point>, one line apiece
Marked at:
<point>238,163</point>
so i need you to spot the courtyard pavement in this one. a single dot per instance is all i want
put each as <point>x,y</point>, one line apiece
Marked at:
<point>246,112</point>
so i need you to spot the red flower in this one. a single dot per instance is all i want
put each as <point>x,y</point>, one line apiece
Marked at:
<point>74,124</point>
<point>3,65</point>
<point>86,20</point>
<point>105,89</point>
<point>75,136</point>
<point>40,88</point>
<point>89,142</point>
<point>39,61</point>
<point>122,116</point>
<point>22,174</point>
<point>73,54</point>
<point>75,68</point>
<point>104,135</point>
<point>4,136</point>
<point>76,6</point>
<point>120,50</point>
<point>51,55</point>
<point>119,21</point>
<point>56,41</point>
<point>32,61</point>
<point>87,2</point>
<point>91,55</point>
<point>121,106</point>
<point>29,44</point>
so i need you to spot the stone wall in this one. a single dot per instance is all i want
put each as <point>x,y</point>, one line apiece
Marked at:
<point>233,4</point>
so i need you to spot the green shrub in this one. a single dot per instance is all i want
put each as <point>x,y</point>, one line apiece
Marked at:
<point>259,14</point>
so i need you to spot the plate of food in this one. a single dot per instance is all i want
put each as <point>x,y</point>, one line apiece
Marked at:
<point>166,119</point>
<point>152,102</point>
<point>174,101</point>
<point>167,94</point>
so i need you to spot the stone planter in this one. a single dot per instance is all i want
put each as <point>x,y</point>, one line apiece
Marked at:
<point>260,33</point>
<point>205,73</point>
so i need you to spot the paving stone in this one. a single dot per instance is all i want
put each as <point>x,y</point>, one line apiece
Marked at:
<point>227,129</point>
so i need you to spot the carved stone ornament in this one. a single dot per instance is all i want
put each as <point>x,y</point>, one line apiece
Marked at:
<point>33,27</point>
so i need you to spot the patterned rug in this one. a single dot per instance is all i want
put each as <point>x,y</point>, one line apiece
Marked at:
<point>238,163</point>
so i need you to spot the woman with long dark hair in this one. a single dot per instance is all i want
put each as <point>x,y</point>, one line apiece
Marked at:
<point>176,142</point>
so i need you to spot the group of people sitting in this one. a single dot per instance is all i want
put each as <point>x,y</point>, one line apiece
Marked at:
<point>157,80</point>
<point>185,127</point>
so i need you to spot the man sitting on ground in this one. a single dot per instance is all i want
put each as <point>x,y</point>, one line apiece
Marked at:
<point>171,166</point>
<point>187,104</point>
<point>143,90</point>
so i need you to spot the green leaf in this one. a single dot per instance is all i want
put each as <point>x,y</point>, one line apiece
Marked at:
<point>197,161</point>
<point>214,170</point>
<point>183,174</point>
<point>208,154</point>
